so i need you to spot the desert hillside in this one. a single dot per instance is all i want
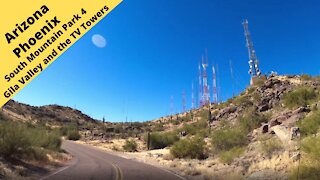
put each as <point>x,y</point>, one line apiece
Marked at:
<point>269,130</point>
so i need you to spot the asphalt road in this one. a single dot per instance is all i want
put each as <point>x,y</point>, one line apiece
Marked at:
<point>93,164</point>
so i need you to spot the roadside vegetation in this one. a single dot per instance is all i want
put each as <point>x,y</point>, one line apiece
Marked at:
<point>161,140</point>
<point>130,146</point>
<point>193,148</point>
<point>25,141</point>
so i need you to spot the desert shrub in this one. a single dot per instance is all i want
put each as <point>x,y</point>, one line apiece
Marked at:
<point>310,125</point>
<point>305,171</point>
<point>196,127</point>
<point>270,146</point>
<point>250,90</point>
<point>310,162</point>
<point>193,148</point>
<point>242,100</point>
<point>228,156</point>
<point>305,77</point>
<point>162,140</point>
<point>13,139</point>
<point>18,140</point>
<point>71,132</point>
<point>302,96</point>
<point>41,137</point>
<point>73,135</point>
<point>159,127</point>
<point>228,138</point>
<point>251,120</point>
<point>311,146</point>
<point>130,146</point>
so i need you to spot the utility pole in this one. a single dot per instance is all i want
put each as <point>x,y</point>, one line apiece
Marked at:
<point>253,59</point>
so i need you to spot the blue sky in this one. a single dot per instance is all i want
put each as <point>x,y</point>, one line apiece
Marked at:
<point>153,49</point>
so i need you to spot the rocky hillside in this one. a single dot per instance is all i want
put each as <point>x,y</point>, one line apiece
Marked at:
<point>269,130</point>
<point>51,114</point>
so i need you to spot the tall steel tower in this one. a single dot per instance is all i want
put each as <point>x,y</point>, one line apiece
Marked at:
<point>184,101</point>
<point>205,81</point>
<point>253,60</point>
<point>214,85</point>
<point>192,98</point>
<point>171,106</point>
<point>200,87</point>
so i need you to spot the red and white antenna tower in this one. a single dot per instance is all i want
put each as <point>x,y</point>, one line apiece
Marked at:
<point>200,87</point>
<point>205,81</point>
<point>214,84</point>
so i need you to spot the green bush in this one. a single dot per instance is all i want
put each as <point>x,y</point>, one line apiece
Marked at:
<point>310,162</point>
<point>270,146</point>
<point>228,156</point>
<point>73,135</point>
<point>310,125</point>
<point>13,139</point>
<point>71,132</point>
<point>302,96</point>
<point>305,77</point>
<point>162,140</point>
<point>193,148</point>
<point>242,100</point>
<point>311,146</point>
<point>18,140</point>
<point>195,128</point>
<point>228,138</point>
<point>130,146</point>
<point>305,171</point>
<point>251,120</point>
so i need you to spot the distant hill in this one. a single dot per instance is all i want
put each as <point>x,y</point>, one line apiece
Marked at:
<point>50,114</point>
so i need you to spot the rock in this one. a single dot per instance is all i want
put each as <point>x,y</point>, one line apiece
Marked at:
<point>265,128</point>
<point>271,82</point>
<point>227,110</point>
<point>295,156</point>
<point>301,110</point>
<point>282,133</point>
<point>274,122</point>
<point>183,133</point>
<point>295,133</point>
<point>263,107</point>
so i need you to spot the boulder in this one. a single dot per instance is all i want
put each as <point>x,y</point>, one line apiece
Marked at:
<point>271,82</point>
<point>274,122</point>
<point>301,110</point>
<point>227,110</point>
<point>263,107</point>
<point>282,133</point>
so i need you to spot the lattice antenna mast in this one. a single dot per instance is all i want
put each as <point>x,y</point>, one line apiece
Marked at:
<point>205,81</point>
<point>214,84</point>
<point>253,60</point>
<point>200,87</point>
<point>232,78</point>
<point>192,97</point>
<point>184,102</point>
<point>171,106</point>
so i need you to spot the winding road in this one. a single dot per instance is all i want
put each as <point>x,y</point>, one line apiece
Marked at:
<point>90,163</point>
